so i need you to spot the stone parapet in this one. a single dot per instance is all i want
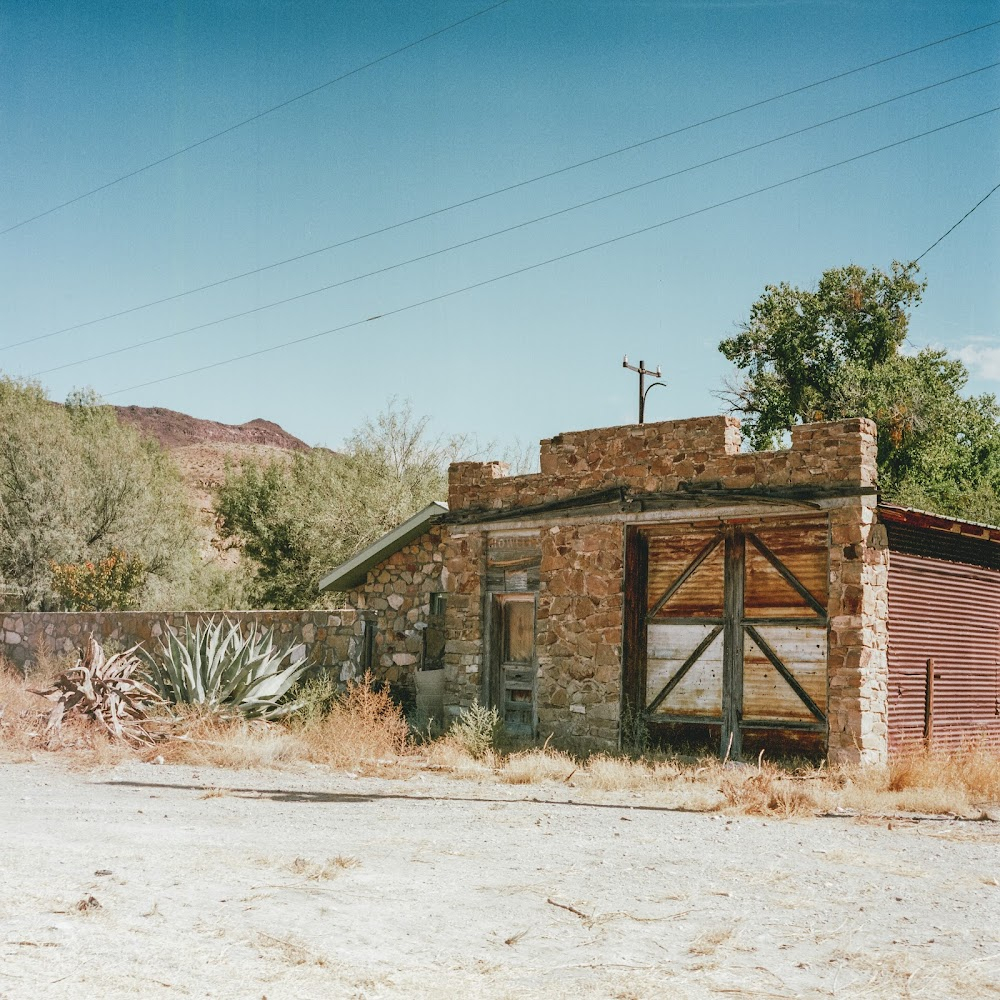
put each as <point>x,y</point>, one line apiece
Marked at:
<point>661,457</point>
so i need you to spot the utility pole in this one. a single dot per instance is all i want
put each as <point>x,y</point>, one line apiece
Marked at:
<point>642,371</point>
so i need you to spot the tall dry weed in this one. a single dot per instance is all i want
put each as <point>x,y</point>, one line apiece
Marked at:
<point>765,791</point>
<point>361,727</point>
<point>22,714</point>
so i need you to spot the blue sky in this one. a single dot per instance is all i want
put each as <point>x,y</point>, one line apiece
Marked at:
<point>95,90</point>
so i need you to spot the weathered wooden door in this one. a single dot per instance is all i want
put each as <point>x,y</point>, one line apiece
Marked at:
<point>513,657</point>
<point>726,626</point>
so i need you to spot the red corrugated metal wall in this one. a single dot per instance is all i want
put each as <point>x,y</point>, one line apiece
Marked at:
<point>949,612</point>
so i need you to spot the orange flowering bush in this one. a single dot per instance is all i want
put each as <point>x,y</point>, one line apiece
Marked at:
<point>111,583</point>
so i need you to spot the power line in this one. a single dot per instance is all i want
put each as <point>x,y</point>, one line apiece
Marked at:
<point>256,117</point>
<point>957,224</point>
<point>508,229</point>
<point>495,192</point>
<point>550,260</point>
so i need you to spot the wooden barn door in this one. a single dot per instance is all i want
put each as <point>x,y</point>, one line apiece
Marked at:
<point>726,627</point>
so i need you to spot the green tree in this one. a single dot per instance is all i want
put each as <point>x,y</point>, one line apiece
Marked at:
<point>75,484</point>
<point>294,521</point>
<point>836,352</point>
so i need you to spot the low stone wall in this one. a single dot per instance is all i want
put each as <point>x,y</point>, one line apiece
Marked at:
<point>331,639</point>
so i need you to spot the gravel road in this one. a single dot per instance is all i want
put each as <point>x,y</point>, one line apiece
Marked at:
<point>168,881</point>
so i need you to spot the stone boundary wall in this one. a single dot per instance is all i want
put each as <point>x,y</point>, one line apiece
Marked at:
<point>332,639</point>
<point>660,457</point>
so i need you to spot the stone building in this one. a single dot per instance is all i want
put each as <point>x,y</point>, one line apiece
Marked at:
<point>655,578</point>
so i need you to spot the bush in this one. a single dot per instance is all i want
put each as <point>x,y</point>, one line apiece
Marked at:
<point>362,726</point>
<point>477,731</point>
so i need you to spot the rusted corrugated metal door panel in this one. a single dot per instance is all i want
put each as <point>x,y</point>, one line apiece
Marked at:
<point>803,548</point>
<point>766,694</point>
<point>948,612</point>
<point>671,551</point>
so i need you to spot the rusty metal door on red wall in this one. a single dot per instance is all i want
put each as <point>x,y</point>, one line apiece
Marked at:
<point>726,627</point>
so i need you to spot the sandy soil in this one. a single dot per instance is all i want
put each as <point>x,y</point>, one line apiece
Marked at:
<point>247,884</point>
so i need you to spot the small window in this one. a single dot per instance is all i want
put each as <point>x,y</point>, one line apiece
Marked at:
<point>438,602</point>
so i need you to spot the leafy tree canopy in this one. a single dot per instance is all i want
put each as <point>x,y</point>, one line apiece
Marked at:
<point>295,521</point>
<point>836,352</point>
<point>77,485</point>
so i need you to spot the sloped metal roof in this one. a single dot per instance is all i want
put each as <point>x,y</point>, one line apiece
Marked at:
<point>353,573</point>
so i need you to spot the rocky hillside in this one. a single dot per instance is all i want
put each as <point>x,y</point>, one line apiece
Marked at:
<point>203,448</point>
<point>178,430</point>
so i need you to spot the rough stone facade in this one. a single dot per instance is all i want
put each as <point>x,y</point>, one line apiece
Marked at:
<point>331,639</point>
<point>397,596</point>
<point>580,632</point>
<point>580,589</point>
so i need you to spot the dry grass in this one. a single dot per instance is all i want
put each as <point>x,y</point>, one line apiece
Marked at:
<point>22,717</point>
<point>764,791</point>
<point>316,871</point>
<point>364,730</point>
<point>448,755</point>
<point>205,739</point>
<point>530,767</point>
<point>957,782</point>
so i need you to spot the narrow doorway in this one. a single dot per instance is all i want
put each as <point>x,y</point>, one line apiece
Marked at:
<point>513,658</point>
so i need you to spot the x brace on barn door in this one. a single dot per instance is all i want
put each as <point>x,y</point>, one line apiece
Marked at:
<point>734,623</point>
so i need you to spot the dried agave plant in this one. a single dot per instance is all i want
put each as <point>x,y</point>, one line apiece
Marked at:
<point>105,690</point>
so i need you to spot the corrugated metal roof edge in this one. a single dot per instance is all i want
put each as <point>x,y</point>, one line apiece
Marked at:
<point>353,572</point>
<point>939,522</point>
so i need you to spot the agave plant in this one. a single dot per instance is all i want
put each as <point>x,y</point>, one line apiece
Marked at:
<point>218,666</point>
<point>105,690</point>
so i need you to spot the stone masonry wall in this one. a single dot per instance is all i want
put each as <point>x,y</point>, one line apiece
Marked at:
<point>397,593</point>
<point>859,636</point>
<point>579,633</point>
<point>331,639</point>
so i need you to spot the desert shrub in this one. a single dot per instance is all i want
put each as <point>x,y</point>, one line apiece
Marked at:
<point>477,731</point>
<point>316,695</point>
<point>116,581</point>
<point>363,725</point>
<point>218,666</point>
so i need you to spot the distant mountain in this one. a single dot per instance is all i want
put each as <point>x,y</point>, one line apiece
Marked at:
<point>178,430</point>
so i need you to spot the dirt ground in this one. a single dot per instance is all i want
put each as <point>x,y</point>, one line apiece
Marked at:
<point>163,881</point>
